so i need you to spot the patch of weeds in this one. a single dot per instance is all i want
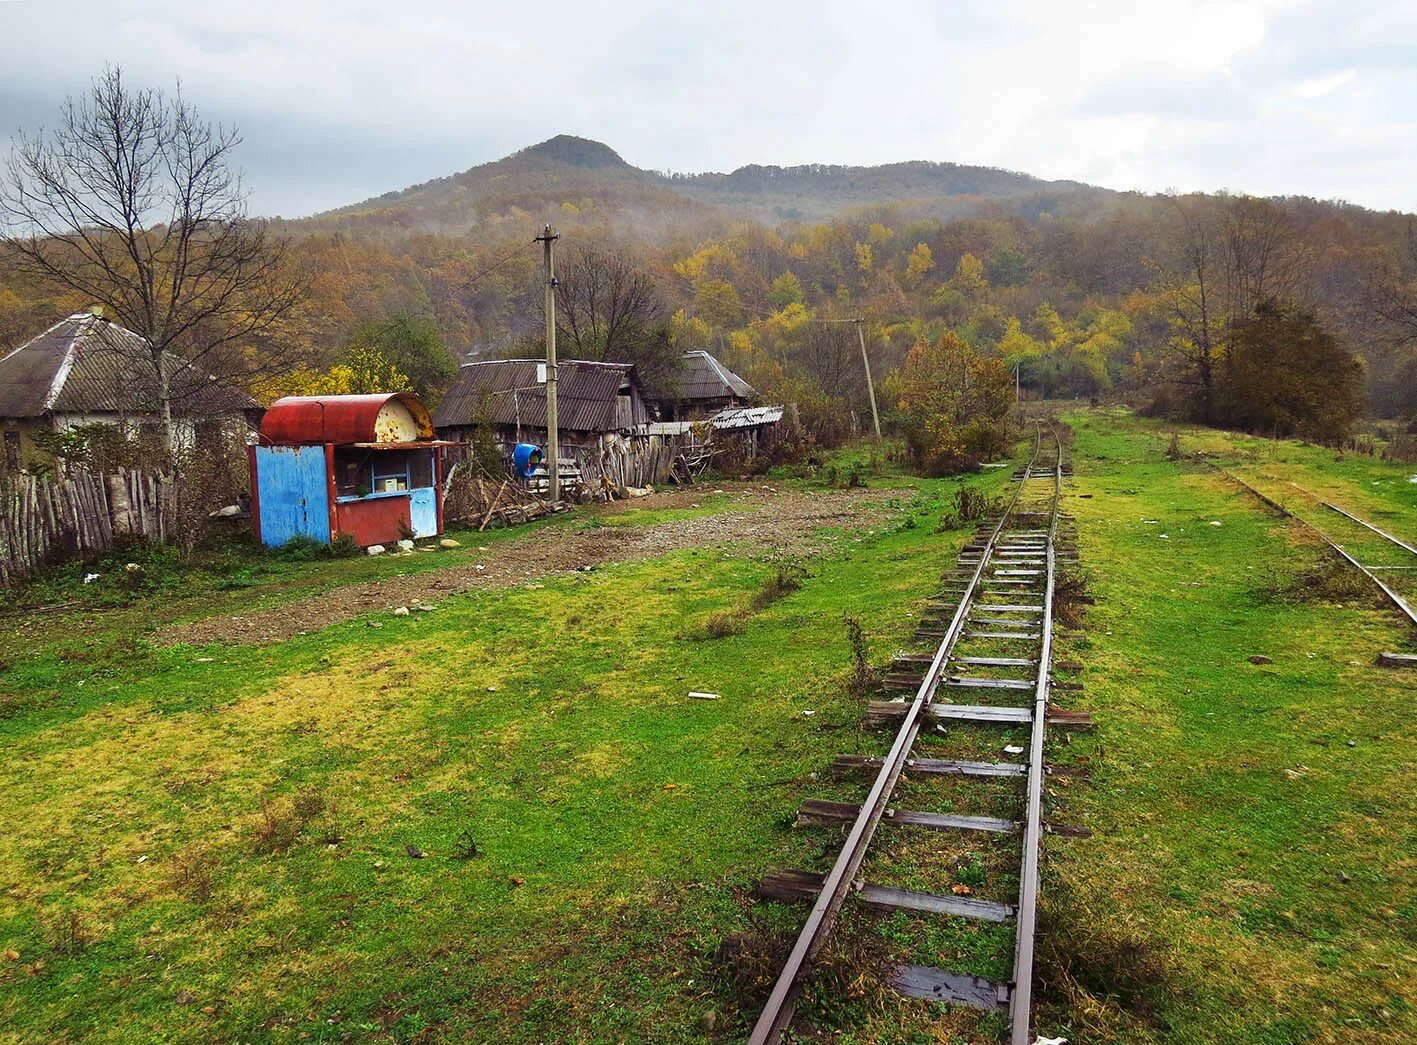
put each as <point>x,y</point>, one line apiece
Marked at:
<point>948,521</point>
<point>851,477</point>
<point>283,822</point>
<point>1085,956</point>
<point>239,579</point>
<point>192,874</point>
<point>1328,580</point>
<point>722,624</point>
<point>306,549</point>
<point>1070,597</point>
<point>861,678</point>
<point>344,547</point>
<point>748,964</point>
<point>69,933</point>
<point>786,578</point>
<point>972,873</point>
<point>972,505</point>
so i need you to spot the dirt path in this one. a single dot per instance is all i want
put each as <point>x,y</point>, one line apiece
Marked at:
<point>778,523</point>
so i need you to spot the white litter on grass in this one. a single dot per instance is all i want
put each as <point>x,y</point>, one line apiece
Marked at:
<point>1164,536</point>
<point>1151,522</point>
<point>809,712</point>
<point>703,696</point>
<point>1051,1041</point>
<point>89,578</point>
<point>1012,749</point>
<point>1413,479</point>
<point>1215,522</point>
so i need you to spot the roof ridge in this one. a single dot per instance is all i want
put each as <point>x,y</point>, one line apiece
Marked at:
<point>559,362</point>
<point>66,365</point>
<point>43,333</point>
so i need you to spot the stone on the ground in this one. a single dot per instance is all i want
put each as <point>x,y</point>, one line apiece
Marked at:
<point>401,611</point>
<point>448,542</point>
<point>376,549</point>
<point>405,545</point>
<point>1260,658</point>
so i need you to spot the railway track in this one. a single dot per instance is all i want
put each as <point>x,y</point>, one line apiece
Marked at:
<point>1368,570</point>
<point>991,629</point>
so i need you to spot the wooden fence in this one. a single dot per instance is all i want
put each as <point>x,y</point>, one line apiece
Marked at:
<point>48,519</point>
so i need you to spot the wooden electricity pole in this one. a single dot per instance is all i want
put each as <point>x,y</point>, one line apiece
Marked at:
<point>870,387</point>
<point>553,436</point>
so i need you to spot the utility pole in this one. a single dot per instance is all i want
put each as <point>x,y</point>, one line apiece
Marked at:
<point>870,387</point>
<point>553,435</point>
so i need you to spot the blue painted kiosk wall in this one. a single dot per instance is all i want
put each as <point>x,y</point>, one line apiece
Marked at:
<point>293,493</point>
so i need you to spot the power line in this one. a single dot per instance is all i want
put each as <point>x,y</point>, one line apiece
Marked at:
<point>492,266</point>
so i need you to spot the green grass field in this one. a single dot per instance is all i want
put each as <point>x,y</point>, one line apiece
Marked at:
<point>505,821</point>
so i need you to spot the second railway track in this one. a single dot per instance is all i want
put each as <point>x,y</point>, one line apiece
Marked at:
<point>991,629</point>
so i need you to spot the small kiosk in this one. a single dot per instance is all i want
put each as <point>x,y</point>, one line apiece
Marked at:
<point>363,465</point>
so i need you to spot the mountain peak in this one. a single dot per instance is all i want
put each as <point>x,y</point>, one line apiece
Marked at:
<point>576,152</point>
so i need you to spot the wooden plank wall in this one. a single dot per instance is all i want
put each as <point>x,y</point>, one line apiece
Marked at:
<point>46,519</point>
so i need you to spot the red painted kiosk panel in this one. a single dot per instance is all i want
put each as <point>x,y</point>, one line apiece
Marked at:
<point>375,520</point>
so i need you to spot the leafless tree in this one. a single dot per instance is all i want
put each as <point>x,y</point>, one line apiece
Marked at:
<point>609,309</point>
<point>830,353</point>
<point>1392,292</point>
<point>1228,256</point>
<point>132,201</point>
<point>604,303</point>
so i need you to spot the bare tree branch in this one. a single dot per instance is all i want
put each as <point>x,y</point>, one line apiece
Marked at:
<point>132,201</point>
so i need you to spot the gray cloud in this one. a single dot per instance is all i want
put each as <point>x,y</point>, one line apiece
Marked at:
<point>339,102</point>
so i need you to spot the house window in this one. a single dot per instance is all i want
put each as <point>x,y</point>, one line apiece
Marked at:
<point>12,450</point>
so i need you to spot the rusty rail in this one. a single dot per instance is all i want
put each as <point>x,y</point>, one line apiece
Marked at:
<point>1397,600</point>
<point>841,881</point>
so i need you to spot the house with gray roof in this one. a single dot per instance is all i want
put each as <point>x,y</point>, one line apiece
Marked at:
<point>705,387</point>
<point>509,396</point>
<point>86,370</point>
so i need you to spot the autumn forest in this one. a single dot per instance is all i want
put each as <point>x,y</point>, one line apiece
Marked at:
<point>1284,316</point>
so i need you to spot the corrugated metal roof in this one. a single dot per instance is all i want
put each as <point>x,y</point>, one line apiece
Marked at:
<point>734,417</point>
<point>704,377</point>
<point>87,365</point>
<point>746,417</point>
<point>587,395</point>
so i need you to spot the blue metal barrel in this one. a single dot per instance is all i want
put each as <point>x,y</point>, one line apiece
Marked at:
<point>525,459</point>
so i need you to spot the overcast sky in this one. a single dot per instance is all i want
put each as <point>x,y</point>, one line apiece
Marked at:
<point>341,101</point>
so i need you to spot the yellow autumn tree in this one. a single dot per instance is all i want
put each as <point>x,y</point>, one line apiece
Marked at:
<point>952,405</point>
<point>920,261</point>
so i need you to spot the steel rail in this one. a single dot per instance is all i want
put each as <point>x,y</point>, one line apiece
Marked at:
<point>1363,522</point>
<point>1397,600</point>
<point>777,1013</point>
<point>1350,516</point>
<point>1021,1001</point>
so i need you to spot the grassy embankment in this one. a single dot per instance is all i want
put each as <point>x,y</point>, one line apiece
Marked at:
<point>1250,879</point>
<point>216,848</point>
<point>503,820</point>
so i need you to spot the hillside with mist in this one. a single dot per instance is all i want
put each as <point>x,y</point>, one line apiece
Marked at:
<point>578,182</point>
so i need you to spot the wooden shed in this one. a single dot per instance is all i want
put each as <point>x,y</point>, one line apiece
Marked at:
<point>363,465</point>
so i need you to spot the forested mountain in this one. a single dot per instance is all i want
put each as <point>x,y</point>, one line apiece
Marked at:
<point>599,184</point>
<point>1084,291</point>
